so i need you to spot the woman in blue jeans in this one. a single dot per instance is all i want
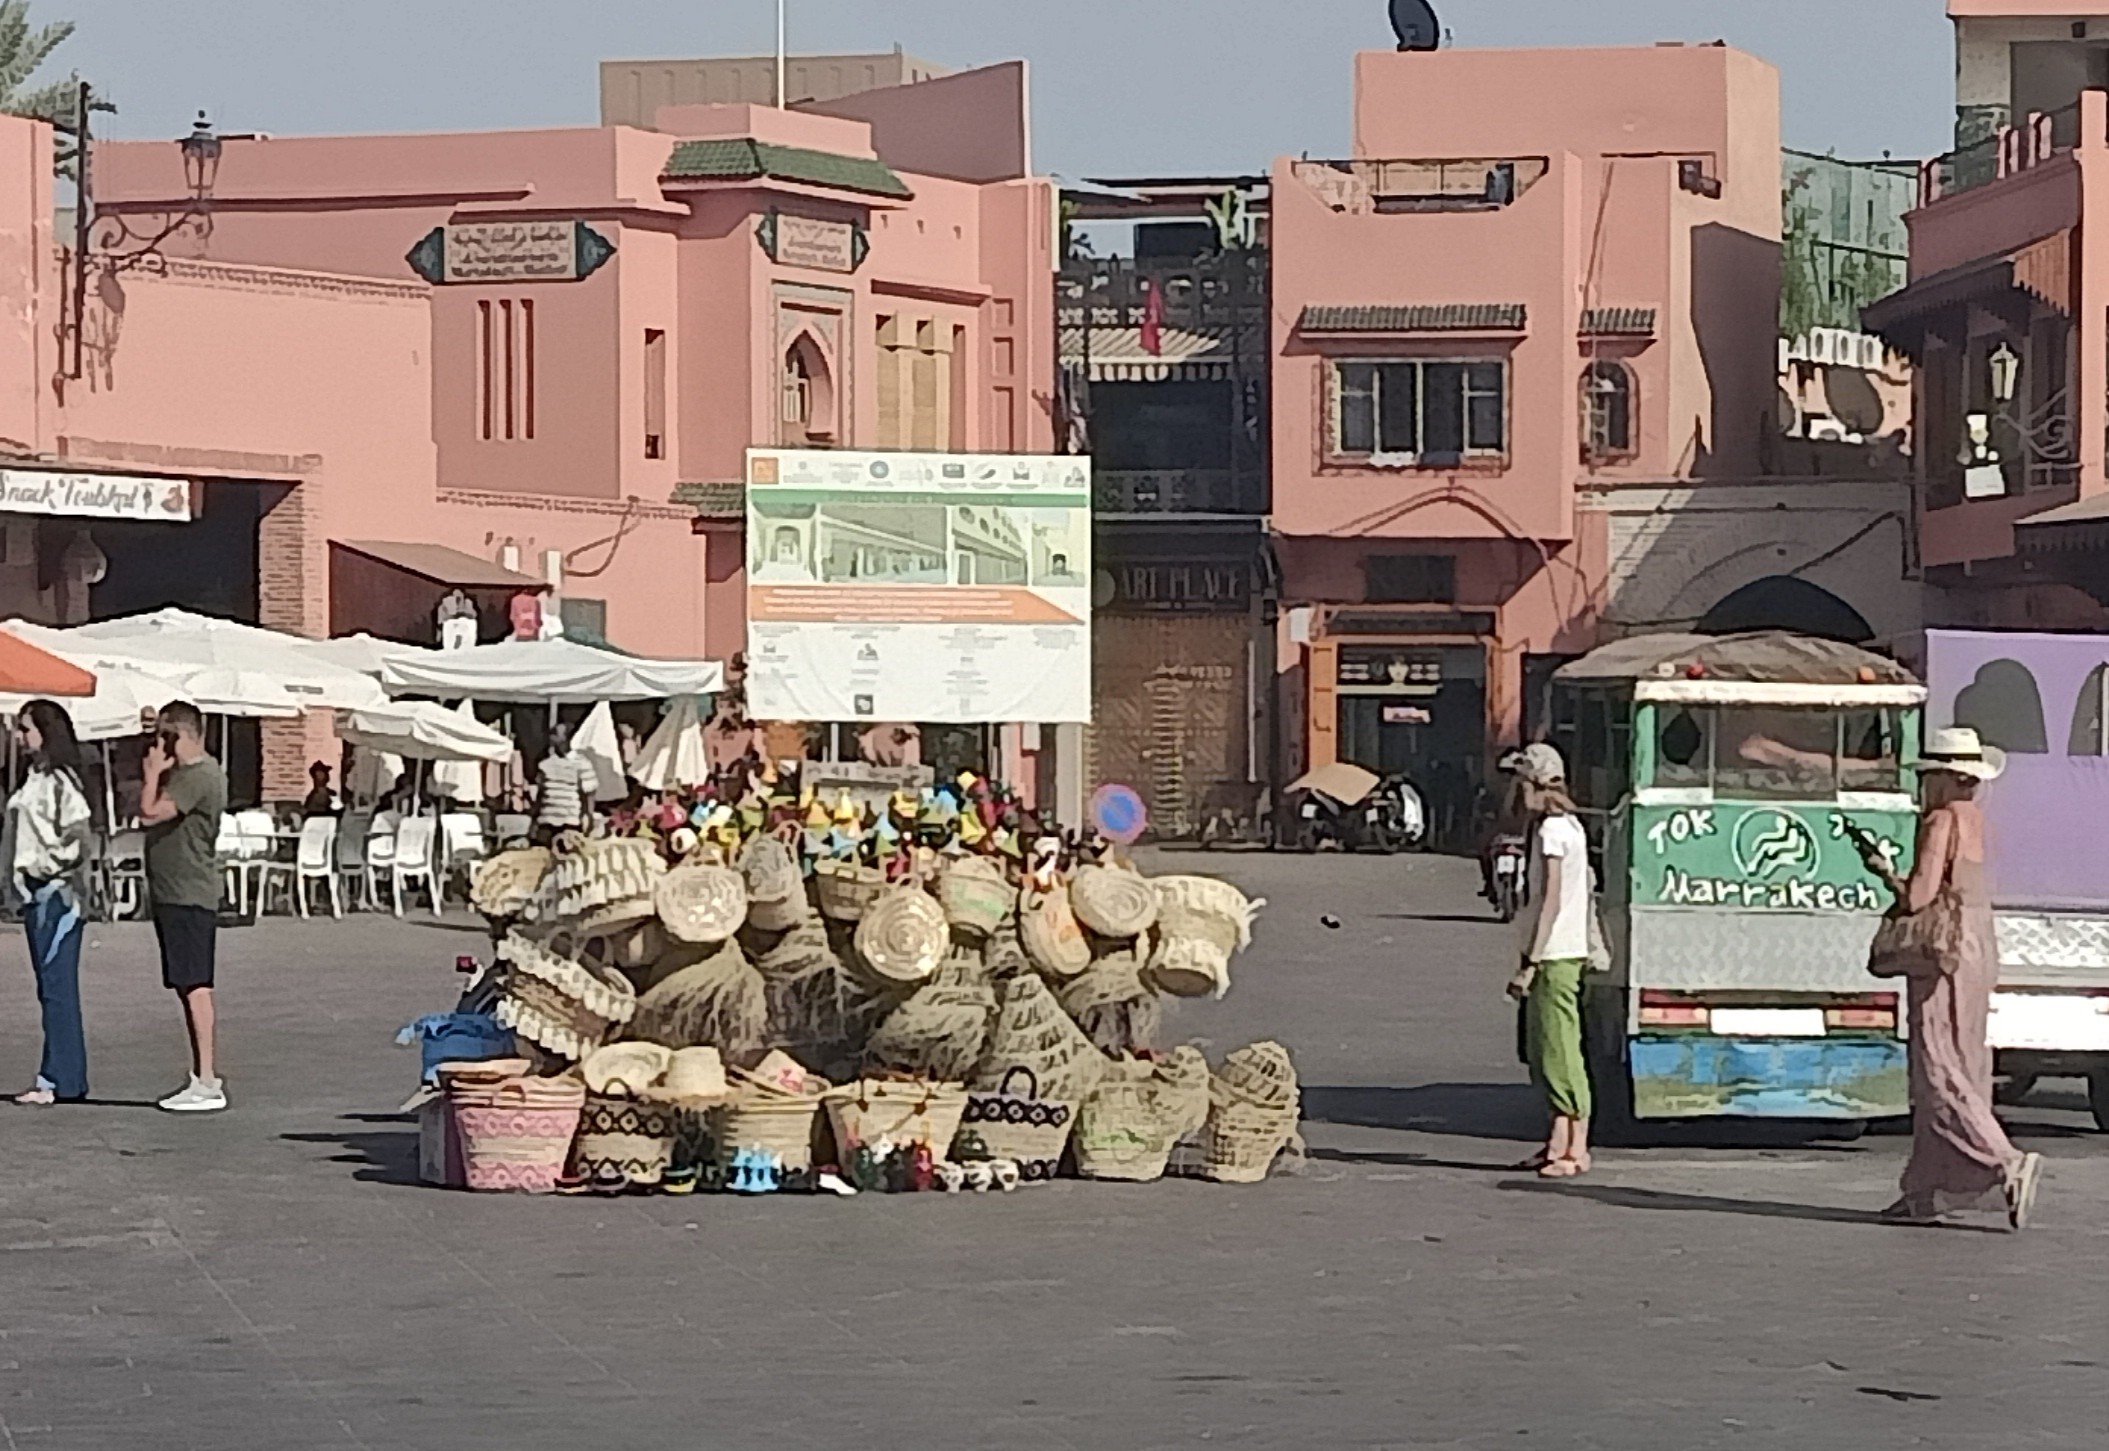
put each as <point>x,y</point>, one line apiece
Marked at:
<point>44,846</point>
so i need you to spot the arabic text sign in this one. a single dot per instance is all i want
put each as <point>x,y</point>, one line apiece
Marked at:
<point>94,496</point>
<point>1785,857</point>
<point>512,251</point>
<point>949,588</point>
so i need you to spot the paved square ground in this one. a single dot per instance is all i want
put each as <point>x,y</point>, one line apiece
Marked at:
<point>275,1278</point>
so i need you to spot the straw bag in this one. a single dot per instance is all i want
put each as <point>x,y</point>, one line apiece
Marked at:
<point>606,882</point>
<point>938,1032</point>
<point>1189,967</point>
<point>845,891</point>
<point>1214,898</point>
<point>1048,930</point>
<point>976,894</point>
<point>628,1136</point>
<point>1127,1126</point>
<point>518,1139</point>
<point>1113,902</point>
<point>560,1005</point>
<point>625,1068</point>
<point>902,1113</point>
<point>903,936</point>
<point>502,885</point>
<point>1254,1107</point>
<point>632,948</point>
<point>1022,1126</point>
<point>1032,1032</point>
<point>763,1118</point>
<point>776,889</point>
<point>701,905</point>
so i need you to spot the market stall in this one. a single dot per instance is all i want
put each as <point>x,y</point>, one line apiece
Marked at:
<point>554,672</point>
<point>780,993</point>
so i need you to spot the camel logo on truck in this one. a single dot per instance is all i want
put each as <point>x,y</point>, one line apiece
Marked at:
<point>1750,859</point>
<point>1771,844</point>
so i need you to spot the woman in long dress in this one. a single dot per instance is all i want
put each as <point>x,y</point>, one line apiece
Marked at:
<point>1960,1156</point>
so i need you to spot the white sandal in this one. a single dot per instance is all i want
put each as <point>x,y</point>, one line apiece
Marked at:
<point>2021,1191</point>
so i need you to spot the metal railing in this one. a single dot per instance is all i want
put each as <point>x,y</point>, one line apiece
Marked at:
<point>1179,491</point>
<point>2008,150</point>
<point>1225,290</point>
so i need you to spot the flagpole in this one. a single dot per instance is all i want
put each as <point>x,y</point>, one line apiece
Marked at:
<point>780,98</point>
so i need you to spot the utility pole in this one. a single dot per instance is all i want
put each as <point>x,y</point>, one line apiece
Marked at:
<point>781,99</point>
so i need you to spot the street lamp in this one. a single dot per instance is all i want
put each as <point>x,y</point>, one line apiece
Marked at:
<point>2005,368</point>
<point>201,158</point>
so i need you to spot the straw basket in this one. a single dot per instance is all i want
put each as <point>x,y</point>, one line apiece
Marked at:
<point>776,889</point>
<point>1113,902</point>
<point>1127,1126</point>
<point>976,894</point>
<point>903,935</point>
<point>560,1005</point>
<point>1189,967</point>
<point>624,1068</point>
<point>1022,1126</point>
<point>632,948</point>
<point>518,1140</point>
<point>606,883</point>
<point>701,905</point>
<point>902,1113</point>
<point>503,885</point>
<point>845,890</point>
<point>1254,1106</point>
<point>939,1031</point>
<point>1054,941</point>
<point>631,1137</point>
<point>1032,1032</point>
<point>777,1123</point>
<point>1215,898</point>
<point>1262,1075</point>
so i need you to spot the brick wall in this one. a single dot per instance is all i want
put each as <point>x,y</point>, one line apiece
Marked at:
<point>293,595</point>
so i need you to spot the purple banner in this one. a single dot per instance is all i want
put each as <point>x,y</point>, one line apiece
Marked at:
<point>2040,699</point>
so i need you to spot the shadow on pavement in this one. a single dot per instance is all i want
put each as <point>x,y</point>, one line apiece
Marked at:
<point>1626,1198</point>
<point>383,1158</point>
<point>1469,919</point>
<point>1406,1160</point>
<point>1467,1110</point>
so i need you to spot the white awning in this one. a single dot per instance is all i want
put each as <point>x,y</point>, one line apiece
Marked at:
<point>420,730</point>
<point>559,671</point>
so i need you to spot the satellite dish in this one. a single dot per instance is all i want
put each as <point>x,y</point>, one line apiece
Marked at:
<point>1415,24</point>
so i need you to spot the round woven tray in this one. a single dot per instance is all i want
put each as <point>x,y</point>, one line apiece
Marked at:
<point>1113,902</point>
<point>903,935</point>
<point>701,905</point>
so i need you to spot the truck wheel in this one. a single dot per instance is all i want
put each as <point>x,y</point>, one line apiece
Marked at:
<point>2098,1098</point>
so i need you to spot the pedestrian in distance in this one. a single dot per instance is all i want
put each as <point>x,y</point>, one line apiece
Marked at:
<point>1556,960</point>
<point>46,851</point>
<point>1961,1158</point>
<point>565,788</point>
<point>185,795</point>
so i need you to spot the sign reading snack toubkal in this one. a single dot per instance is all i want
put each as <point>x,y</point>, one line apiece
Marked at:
<point>946,588</point>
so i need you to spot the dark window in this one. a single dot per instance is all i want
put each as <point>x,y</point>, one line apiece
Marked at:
<point>1430,413</point>
<point>1607,399</point>
<point>2090,716</point>
<point>584,620</point>
<point>1412,579</point>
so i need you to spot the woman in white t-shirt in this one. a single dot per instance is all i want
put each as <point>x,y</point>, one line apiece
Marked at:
<point>1556,960</point>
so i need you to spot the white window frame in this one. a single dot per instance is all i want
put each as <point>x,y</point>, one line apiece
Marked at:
<point>1469,456</point>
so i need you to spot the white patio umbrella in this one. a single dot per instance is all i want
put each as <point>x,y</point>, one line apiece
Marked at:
<point>363,653</point>
<point>122,695</point>
<point>551,672</point>
<point>674,754</point>
<point>230,668</point>
<point>418,730</point>
<point>463,780</point>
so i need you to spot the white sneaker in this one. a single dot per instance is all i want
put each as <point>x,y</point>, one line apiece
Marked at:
<point>197,1096</point>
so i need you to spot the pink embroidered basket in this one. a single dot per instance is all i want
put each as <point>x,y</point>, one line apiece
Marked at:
<point>515,1137</point>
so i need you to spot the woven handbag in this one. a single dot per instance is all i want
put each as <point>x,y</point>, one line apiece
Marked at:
<point>1022,1126</point>
<point>517,1140</point>
<point>1053,939</point>
<point>631,1137</point>
<point>902,1113</point>
<point>1127,1126</point>
<point>1915,944</point>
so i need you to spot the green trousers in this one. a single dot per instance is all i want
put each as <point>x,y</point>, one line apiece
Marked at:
<point>1553,1023</point>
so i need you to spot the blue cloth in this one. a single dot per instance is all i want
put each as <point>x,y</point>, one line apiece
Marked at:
<point>52,921</point>
<point>456,1037</point>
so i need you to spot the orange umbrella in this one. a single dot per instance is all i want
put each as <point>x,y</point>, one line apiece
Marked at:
<point>28,670</point>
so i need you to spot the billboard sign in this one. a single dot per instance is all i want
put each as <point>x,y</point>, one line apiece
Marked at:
<point>948,588</point>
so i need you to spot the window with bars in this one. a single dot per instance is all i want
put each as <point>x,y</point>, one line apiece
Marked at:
<point>1424,413</point>
<point>1607,410</point>
<point>505,369</point>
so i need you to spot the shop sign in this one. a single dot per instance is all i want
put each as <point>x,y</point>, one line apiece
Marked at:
<point>1784,858</point>
<point>94,496</point>
<point>532,251</point>
<point>813,242</point>
<point>1410,715</point>
<point>1407,672</point>
<point>1185,588</point>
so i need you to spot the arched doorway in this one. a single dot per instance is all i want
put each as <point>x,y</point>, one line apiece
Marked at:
<point>808,395</point>
<point>1781,602</point>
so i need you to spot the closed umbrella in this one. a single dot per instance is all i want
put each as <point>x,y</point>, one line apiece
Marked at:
<point>418,730</point>
<point>599,743</point>
<point>674,755</point>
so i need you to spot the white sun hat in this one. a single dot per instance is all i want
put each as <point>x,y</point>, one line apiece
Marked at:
<point>1959,749</point>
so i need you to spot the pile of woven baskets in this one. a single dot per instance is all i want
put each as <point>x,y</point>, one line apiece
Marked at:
<point>737,1003</point>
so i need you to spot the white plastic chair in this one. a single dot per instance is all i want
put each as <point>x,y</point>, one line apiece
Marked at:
<point>510,828</point>
<point>316,861</point>
<point>352,830</point>
<point>412,861</point>
<point>461,846</point>
<point>256,837</point>
<point>124,874</point>
<point>227,846</point>
<point>377,860</point>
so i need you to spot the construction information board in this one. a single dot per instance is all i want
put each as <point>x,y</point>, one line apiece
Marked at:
<point>929,587</point>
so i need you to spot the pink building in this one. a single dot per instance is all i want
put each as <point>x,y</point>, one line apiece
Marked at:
<point>522,363</point>
<point>1543,278</point>
<point>2009,276</point>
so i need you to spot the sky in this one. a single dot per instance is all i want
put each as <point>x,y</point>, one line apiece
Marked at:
<point>1120,87</point>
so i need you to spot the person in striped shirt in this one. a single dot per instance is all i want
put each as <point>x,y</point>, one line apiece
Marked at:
<point>564,788</point>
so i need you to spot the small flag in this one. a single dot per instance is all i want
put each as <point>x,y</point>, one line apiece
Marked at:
<point>1152,319</point>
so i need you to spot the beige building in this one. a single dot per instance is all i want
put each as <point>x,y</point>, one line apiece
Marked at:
<point>632,91</point>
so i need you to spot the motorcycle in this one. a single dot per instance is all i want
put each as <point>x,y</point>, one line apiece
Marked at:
<point>1511,886</point>
<point>1394,818</point>
<point>1320,819</point>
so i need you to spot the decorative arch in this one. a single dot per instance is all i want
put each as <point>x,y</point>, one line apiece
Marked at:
<point>1610,418</point>
<point>1783,602</point>
<point>807,415</point>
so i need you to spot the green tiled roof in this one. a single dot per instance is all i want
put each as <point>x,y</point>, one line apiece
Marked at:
<point>744,160</point>
<point>713,501</point>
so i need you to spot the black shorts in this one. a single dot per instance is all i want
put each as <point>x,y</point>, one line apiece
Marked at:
<point>187,936</point>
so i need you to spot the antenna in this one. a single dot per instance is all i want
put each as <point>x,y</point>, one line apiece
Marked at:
<point>1414,22</point>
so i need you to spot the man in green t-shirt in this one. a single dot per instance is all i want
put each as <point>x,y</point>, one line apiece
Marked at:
<point>181,802</point>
